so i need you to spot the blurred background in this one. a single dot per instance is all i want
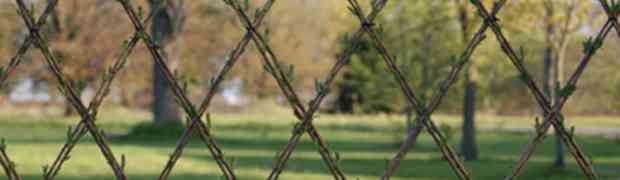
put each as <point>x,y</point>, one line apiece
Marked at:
<point>488,115</point>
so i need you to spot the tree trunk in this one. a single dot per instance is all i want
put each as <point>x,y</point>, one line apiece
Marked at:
<point>551,76</point>
<point>344,101</point>
<point>165,109</point>
<point>550,82</point>
<point>559,147</point>
<point>469,148</point>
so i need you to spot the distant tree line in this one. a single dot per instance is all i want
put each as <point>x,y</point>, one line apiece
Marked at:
<point>425,36</point>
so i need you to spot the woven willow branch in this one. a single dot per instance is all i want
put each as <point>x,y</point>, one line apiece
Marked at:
<point>7,164</point>
<point>228,65</point>
<point>441,92</point>
<point>446,150</point>
<point>104,88</point>
<point>25,46</point>
<point>182,99</point>
<point>273,65</point>
<point>315,103</point>
<point>304,114</point>
<point>554,117</point>
<point>69,92</point>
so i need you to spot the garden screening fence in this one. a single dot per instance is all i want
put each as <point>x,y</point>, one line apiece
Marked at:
<point>304,112</point>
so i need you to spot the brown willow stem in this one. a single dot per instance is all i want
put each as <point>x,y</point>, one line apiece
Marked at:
<point>611,15</point>
<point>5,161</point>
<point>8,165</point>
<point>553,119</point>
<point>228,65</point>
<point>447,152</point>
<point>69,91</point>
<point>442,91</point>
<point>315,103</point>
<point>16,60</point>
<point>179,93</point>
<point>545,104</point>
<point>103,90</point>
<point>284,84</point>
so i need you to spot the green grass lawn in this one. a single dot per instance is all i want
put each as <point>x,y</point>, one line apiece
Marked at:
<point>365,143</point>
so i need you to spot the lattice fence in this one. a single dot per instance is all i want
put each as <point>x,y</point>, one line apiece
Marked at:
<point>303,112</point>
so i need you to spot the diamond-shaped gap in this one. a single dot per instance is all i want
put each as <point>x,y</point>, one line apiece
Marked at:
<point>279,33</point>
<point>309,44</point>
<point>525,78</point>
<point>74,63</point>
<point>196,62</point>
<point>493,131</point>
<point>583,100</point>
<point>185,69</point>
<point>501,82</point>
<point>415,65</point>
<point>504,154</point>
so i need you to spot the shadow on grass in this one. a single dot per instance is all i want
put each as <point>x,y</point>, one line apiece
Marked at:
<point>432,168</point>
<point>134,177</point>
<point>273,138</point>
<point>362,157</point>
